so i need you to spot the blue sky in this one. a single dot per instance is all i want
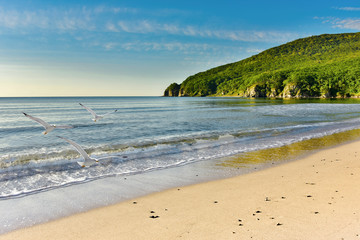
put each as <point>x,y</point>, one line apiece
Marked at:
<point>137,48</point>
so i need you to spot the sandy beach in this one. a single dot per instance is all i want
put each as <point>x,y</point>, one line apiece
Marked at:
<point>316,197</point>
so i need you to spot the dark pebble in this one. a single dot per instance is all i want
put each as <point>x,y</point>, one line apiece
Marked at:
<point>152,212</point>
<point>258,212</point>
<point>154,216</point>
<point>279,224</point>
<point>134,202</point>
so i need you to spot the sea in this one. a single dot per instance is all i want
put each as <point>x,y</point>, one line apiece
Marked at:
<point>149,144</point>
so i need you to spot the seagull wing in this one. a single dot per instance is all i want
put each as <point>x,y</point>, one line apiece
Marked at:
<point>77,147</point>
<point>110,112</point>
<point>42,122</point>
<point>89,110</point>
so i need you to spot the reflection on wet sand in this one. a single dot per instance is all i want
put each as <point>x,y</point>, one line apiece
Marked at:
<point>289,152</point>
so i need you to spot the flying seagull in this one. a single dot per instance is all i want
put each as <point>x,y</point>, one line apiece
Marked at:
<point>48,127</point>
<point>96,117</point>
<point>88,161</point>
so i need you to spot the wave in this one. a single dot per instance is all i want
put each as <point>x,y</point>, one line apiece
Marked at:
<point>30,173</point>
<point>195,140</point>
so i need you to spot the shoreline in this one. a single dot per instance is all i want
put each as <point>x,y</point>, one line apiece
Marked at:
<point>315,197</point>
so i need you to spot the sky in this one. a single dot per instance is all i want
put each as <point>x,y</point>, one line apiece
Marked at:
<point>139,47</point>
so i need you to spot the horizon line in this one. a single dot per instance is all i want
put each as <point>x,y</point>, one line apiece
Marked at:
<point>69,96</point>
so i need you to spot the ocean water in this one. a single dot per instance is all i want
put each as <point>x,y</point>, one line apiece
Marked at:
<point>145,136</point>
<point>149,133</point>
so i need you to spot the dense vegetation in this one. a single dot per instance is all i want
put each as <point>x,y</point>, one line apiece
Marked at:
<point>319,66</point>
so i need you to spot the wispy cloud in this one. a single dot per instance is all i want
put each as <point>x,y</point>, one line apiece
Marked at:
<point>343,23</point>
<point>348,8</point>
<point>348,23</point>
<point>110,45</point>
<point>196,53</point>
<point>14,19</point>
<point>353,24</point>
<point>146,27</point>
<point>109,19</point>
<point>111,27</point>
<point>105,28</point>
<point>49,19</point>
<point>105,9</point>
<point>167,46</point>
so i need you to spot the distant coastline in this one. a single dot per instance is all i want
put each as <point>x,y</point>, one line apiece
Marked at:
<point>324,66</point>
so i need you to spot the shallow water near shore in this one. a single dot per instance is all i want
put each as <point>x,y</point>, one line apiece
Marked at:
<point>61,202</point>
<point>288,152</point>
<point>153,144</point>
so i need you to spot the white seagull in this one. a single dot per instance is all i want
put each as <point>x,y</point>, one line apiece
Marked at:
<point>48,127</point>
<point>96,117</point>
<point>88,161</point>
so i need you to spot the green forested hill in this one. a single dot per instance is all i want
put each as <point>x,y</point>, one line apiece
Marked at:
<point>319,66</point>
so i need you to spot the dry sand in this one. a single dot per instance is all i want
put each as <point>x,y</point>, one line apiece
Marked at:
<point>317,197</point>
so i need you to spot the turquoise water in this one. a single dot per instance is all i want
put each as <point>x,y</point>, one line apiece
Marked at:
<point>149,134</point>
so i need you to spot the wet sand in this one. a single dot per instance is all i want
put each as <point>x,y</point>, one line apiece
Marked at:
<point>316,197</point>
